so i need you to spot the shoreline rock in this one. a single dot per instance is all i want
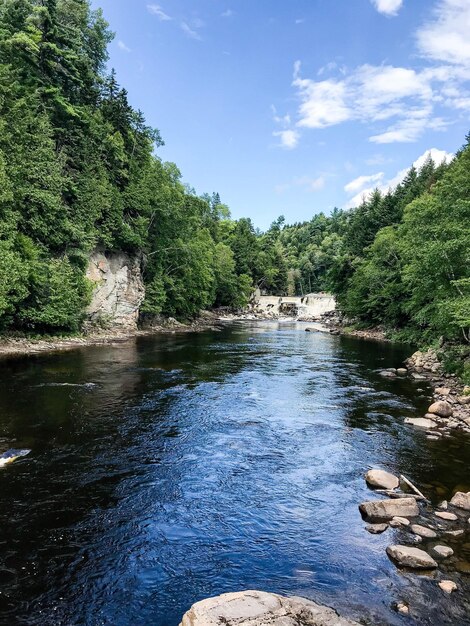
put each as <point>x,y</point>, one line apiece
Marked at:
<point>380,479</point>
<point>414,558</point>
<point>378,511</point>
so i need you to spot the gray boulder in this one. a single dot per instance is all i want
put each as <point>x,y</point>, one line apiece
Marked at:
<point>385,510</point>
<point>258,608</point>
<point>423,531</point>
<point>461,500</point>
<point>442,552</point>
<point>441,408</point>
<point>380,479</point>
<point>405,556</point>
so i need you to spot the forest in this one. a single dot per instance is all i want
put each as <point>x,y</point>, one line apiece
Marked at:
<point>79,170</point>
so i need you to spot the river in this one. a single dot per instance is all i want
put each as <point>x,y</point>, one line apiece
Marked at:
<point>171,468</point>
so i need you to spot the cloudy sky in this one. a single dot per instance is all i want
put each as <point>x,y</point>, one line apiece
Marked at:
<point>296,106</point>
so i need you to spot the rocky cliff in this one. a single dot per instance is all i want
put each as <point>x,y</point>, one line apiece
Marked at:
<point>119,288</point>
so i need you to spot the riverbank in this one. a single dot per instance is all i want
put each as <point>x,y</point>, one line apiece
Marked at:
<point>11,346</point>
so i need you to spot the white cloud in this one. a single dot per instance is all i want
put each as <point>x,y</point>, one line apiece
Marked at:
<point>300,20</point>
<point>388,7</point>
<point>369,93</point>
<point>310,183</point>
<point>362,181</point>
<point>404,97</point>
<point>361,184</point>
<point>411,128</point>
<point>156,9</point>
<point>227,13</point>
<point>122,46</point>
<point>190,32</point>
<point>446,37</point>
<point>289,138</point>
<point>323,102</point>
<point>398,104</point>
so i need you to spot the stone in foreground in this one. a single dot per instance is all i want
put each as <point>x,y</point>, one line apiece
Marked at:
<point>380,479</point>
<point>461,500</point>
<point>441,408</point>
<point>385,510</point>
<point>404,556</point>
<point>258,608</point>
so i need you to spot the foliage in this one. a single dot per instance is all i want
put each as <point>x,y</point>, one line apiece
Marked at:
<point>79,170</point>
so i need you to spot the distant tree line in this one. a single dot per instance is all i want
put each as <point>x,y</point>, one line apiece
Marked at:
<point>79,170</point>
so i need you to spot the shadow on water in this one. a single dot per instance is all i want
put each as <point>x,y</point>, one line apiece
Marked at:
<point>172,468</point>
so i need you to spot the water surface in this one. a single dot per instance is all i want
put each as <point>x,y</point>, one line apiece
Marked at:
<point>172,468</point>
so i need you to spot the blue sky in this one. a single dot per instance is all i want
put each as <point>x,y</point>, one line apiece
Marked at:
<point>295,106</point>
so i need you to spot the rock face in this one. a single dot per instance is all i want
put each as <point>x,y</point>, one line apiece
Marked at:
<point>381,480</point>
<point>119,289</point>
<point>441,408</point>
<point>258,608</point>
<point>415,558</point>
<point>385,510</point>
<point>461,500</point>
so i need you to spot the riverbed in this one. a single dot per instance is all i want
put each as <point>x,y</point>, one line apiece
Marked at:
<point>169,468</point>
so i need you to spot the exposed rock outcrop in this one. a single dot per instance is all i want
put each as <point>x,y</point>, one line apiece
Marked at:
<point>119,289</point>
<point>258,608</point>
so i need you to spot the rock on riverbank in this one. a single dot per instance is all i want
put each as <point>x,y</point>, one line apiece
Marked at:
<point>258,608</point>
<point>451,406</point>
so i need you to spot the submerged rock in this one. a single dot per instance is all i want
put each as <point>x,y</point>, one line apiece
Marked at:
<point>441,408</point>
<point>420,422</point>
<point>385,510</point>
<point>443,552</point>
<point>258,608</point>
<point>461,500</point>
<point>382,480</point>
<point>404,556</point>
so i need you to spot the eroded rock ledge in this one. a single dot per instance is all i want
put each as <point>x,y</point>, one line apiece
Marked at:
<point>258,608</point>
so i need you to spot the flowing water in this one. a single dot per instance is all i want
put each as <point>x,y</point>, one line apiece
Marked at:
<point>172,468</point>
